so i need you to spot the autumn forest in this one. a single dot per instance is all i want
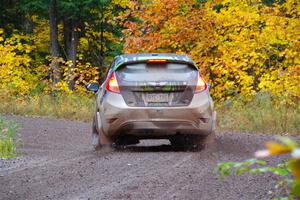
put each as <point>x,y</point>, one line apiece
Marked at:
<point>248,50</point>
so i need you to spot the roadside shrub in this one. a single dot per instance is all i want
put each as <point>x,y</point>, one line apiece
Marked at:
<point>16,75</point>
<point>288,171</point>
<point>7,142</point>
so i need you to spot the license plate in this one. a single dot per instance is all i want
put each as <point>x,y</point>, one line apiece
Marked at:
<point>157,97</point>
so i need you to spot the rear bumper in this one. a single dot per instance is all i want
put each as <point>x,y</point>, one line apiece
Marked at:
<point>116,118</point>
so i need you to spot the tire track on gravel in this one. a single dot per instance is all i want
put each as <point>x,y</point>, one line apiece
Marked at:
<point>59,163</point>
<point>131,176</point>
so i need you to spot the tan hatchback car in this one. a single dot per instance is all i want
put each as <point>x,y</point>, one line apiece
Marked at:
<point>153,96</point>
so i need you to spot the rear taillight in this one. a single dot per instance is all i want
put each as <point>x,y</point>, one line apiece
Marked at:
<point>157,61</point>
<point>201,85</point>
<point>112,84</point>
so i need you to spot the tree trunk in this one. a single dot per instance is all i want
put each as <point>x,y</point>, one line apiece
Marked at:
<point>101,41</point>
<point>28,25</point>
<point>102,44</point>
<point>67,27</point>
<point>71,56</point>
<point>54,49</point>
<point>101,48</point>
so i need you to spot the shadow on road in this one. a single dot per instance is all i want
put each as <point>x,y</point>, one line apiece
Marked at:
<point>157,148</point>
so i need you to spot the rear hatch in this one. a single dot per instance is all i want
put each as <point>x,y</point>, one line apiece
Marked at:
<point>157,84</point>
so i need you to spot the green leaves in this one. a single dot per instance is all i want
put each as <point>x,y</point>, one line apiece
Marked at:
<point>240,168</point>
<point>284,170</point>
<point>296,188</point>
<point>7,136</point>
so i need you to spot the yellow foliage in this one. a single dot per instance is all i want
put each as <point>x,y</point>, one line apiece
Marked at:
<point>15,73</point>
<point>242,47</point>
<point>40,36</point>
<point>84,73</point>
<point>276,148</point>
<point>122,3</point>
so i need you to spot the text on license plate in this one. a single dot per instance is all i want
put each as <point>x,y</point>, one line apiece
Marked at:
<point>158,97</point>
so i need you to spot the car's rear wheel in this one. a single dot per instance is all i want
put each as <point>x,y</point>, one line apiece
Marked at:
<point>126,140</point>
<point>192,141</point>
<point>99,138</point>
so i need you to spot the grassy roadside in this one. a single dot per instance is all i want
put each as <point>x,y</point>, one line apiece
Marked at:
<point>258,115</point>
<point>73,107</point>
<point>7,139</point>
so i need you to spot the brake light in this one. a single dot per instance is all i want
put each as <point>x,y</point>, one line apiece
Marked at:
<point>157,61</point>
<point>112,84</point>
<point>201,85</point>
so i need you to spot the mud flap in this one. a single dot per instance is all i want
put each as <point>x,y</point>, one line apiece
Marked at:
<point>102,137</point>
<point>213,118</point>
<point>98,121</point>
<point>209,139</point>
<point>95,140</point>
<point>95,136</point>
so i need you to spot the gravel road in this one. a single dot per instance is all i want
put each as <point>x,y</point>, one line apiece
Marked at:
<point>57,162</point>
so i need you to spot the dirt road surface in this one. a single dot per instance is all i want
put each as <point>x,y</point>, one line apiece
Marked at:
<point>57,162</point>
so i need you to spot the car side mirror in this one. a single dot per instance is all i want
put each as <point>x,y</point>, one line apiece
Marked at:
<point>208,85</point>
<point>94,87</point>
